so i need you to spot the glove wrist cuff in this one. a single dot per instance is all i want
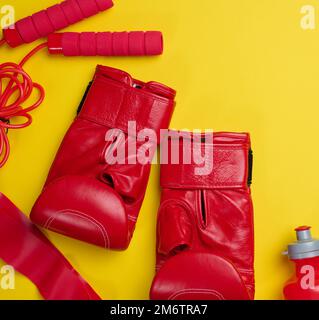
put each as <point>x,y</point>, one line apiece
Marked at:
<point>225,163</point>
<point>115,99</point>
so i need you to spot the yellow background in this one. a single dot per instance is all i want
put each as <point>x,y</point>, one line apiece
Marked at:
<point>237,65</point>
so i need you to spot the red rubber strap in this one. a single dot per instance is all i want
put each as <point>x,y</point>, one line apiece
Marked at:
<point>16,87</point>
<point>23,246</point>
<point>52,19</point>
<point>136,43</point>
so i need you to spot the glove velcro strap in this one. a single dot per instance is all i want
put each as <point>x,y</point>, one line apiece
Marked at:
<point>115,98</point>
<point>227,165</point>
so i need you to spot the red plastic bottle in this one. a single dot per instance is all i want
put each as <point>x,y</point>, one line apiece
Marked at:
<point>304,285</point>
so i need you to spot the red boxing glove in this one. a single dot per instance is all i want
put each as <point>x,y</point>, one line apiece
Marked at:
<point>135,43</point>
<point>86,196</point>
<point>205,241</point>
<point>57,17</point>
<point>24,247</point>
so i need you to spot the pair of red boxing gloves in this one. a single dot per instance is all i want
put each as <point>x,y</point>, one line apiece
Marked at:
<point>205,242</point>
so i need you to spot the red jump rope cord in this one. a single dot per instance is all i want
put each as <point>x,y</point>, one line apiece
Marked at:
<point>16,87</point>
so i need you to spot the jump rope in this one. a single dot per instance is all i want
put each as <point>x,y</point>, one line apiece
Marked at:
<point>16,86</point>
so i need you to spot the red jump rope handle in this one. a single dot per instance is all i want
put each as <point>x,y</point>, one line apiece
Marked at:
<point>137,43</point>
<point>57,17</point>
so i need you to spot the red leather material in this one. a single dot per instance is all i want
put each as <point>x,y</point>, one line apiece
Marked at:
<point>230,158</point>
<point>174,215</point>
<point>85,196</point>
<point>117,102</point>
<point>68,211</point>
<point>136,43</point>
<point>205,239</point>
<point>198,276</point>
<point>24,247</point>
